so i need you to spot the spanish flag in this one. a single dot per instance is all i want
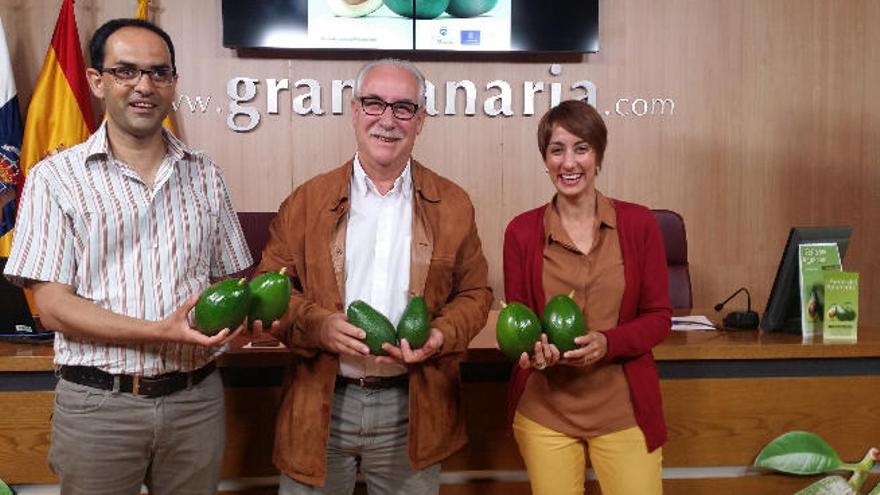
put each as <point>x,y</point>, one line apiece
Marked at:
<point>60,113</point>
<point>143,13</point>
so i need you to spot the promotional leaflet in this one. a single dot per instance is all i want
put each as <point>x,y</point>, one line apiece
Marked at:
<point>813,261</point>
<point>841,306</point>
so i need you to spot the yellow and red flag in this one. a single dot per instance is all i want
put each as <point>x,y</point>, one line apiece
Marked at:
<point>60,113</point>
<point>143,13</point>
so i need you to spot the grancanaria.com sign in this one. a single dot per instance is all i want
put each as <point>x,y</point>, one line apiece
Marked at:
<point>497,98</point>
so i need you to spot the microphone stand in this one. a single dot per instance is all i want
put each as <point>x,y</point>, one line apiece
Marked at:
<point>739,320</point>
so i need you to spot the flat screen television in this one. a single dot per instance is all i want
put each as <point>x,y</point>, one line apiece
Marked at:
<point>783,311</point>
<point>423,25</point>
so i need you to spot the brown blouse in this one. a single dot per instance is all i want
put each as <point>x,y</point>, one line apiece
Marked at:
<point>582,402</point>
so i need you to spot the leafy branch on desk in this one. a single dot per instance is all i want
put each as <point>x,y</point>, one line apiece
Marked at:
<point>805,453</point>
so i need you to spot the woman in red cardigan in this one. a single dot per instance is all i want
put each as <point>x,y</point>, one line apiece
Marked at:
<point>601,399</point>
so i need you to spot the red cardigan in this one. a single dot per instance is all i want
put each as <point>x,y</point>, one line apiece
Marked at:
<point>645,312</point>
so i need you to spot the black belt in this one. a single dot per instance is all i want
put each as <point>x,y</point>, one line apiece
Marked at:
<point>374,381</point>
<point>145,386</point>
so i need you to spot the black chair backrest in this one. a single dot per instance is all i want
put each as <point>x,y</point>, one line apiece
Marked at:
<point>675,242</point>
<point>255,226</point>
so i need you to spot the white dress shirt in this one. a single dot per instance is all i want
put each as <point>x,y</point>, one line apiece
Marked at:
<point>377,257</point>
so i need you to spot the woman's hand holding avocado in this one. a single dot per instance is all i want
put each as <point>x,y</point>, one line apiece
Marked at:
<point>545,355</point>
<point>592,347</point>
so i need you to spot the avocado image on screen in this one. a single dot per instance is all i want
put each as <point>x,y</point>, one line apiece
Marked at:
<point>222,305</point>
<point>425,9</point>
<point>377,327</point>
<point>353,8</point>
<point>517,329</point>
<point>414,324</point>
<point>470,8</point>
<point>563,320</point>
<point>270,295</point>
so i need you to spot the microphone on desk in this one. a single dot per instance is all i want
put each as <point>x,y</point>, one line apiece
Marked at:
<point>740,320</point>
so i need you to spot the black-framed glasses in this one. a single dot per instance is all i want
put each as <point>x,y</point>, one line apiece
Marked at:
<point>402,110</point>
<point>129,76</point>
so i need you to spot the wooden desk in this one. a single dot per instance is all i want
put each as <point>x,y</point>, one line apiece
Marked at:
<point>726,394</point>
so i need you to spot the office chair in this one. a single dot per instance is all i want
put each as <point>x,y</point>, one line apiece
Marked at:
<point>675,242</point>
<point>255,226</point>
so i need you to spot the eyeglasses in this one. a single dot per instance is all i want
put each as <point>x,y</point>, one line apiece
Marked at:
<point>130,76</point>
<point>402,110</point>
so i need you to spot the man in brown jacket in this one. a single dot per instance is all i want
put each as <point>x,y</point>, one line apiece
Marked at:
<point>379,228</point>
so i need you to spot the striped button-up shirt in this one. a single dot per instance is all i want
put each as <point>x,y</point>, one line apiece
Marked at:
<point>89,221</point>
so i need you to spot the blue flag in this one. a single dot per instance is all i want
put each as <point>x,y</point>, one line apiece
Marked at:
<point>10,141</point>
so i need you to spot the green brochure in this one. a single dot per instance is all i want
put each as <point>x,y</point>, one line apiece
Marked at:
<point>841,306</point>
<point>813,261</point>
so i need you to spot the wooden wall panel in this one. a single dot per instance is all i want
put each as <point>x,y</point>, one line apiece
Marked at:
<point>25,437</point>
<point>775,122</point>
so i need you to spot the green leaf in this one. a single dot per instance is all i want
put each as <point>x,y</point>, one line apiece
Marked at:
<point>4,489</point>
<point>798,452</point>
<point>832,485</point>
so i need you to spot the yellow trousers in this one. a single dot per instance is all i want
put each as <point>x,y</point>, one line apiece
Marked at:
<point>556,463</point>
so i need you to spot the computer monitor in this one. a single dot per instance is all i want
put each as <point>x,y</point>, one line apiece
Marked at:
<point>783,311</point>
<point>15,315</point>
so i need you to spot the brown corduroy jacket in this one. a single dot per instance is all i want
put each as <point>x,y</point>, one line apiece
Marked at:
<point>447,267</point>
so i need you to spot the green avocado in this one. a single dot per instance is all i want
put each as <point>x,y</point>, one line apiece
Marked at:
<point>517,330</point>
<point>379,330</point>
<point>270,295</point>
<point>425,9</point>
<point>415,324</point>
<point>222,305</point>
<point>563,320</point>
<point>470,8</point>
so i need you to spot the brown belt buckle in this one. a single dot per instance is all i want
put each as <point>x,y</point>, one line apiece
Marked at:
<point>135,385</point>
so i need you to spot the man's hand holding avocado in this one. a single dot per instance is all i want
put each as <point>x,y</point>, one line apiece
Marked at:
<point>406,355</point>
<point>339,336</point>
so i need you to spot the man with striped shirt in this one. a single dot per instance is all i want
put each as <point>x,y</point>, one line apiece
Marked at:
<point>116,237</point>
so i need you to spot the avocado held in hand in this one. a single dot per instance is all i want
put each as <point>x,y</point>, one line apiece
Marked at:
<point>517,330</point>
<point>424,9</point>
<point>563,320</point>
<point>270,295</point>
<point>414,325</point>
<point>222,305</point>
<point>377,327</point>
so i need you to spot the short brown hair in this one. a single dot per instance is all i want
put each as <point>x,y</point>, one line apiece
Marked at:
<point>578,118</point>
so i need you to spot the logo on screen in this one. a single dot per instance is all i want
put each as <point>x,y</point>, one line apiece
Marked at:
<point>470,37</point>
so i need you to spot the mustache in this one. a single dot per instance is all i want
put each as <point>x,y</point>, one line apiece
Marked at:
<point>386,134</point>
